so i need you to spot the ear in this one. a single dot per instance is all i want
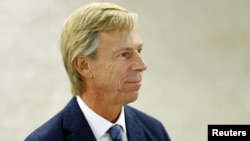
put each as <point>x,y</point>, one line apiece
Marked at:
<point>81,64</point>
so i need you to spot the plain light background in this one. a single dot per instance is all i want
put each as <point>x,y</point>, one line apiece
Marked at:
<point>197,52</point>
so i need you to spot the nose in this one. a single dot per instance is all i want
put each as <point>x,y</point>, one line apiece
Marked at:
<point>138,63</point>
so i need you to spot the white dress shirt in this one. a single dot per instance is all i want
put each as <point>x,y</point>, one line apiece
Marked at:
<point>99,125</point>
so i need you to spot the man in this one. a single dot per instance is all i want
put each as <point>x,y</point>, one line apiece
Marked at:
<point>101,49</point>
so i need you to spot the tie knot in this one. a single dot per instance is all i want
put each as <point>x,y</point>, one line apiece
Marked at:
<point>115,133</point>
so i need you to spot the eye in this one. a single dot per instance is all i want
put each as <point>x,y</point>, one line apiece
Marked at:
<point>139,50</point>
<point>124,54</point>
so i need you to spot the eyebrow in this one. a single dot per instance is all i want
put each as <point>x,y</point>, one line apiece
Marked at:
<point>130,48</point>
<point>137,46</point>
<point>141,45</point>
<point>124,48</point>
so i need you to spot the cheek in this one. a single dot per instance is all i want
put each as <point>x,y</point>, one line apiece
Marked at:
<point>110,74</point>
<point>106,72</point>
<point>115,73</point>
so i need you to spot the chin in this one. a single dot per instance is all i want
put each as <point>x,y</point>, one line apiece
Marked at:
<point>131,97</point>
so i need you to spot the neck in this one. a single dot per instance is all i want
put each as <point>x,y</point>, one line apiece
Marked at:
<point>100,104</point>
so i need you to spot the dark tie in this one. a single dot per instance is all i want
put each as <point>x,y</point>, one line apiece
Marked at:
<point>115,133</point>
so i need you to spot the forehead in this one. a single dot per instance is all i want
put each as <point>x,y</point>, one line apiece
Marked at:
<point>118,39</point>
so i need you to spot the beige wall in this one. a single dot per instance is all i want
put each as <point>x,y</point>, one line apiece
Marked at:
<point>197,54</point>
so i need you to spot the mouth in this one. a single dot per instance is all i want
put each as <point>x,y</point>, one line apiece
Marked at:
<point>133,85</point>
<point>136,82</point>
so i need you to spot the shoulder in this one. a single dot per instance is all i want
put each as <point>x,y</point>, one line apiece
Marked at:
<point>53,129</point>
<point>49,131</point>
<point>151,127</point>
<point>141,116</point>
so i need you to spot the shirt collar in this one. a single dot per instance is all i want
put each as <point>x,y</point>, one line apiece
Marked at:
<point>98,124</point>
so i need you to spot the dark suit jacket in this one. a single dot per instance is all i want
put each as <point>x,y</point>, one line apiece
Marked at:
<point>71,125</point>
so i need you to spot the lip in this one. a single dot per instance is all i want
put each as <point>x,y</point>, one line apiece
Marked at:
<point>136,82</point>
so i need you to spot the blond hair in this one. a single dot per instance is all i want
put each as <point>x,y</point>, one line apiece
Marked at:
<point>79,35</point>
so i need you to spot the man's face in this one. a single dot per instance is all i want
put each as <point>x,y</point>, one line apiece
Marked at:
<point>117,69</point>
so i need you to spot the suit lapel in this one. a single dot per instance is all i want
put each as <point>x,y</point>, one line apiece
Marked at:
<point>134,129</point>
<point>75,124</point>
<point>76,127</point>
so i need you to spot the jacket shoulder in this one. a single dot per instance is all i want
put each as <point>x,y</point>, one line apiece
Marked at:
<point>151,127</point>
<point>53,129</point>
<point>142,117</point>
<point>49,131</point>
